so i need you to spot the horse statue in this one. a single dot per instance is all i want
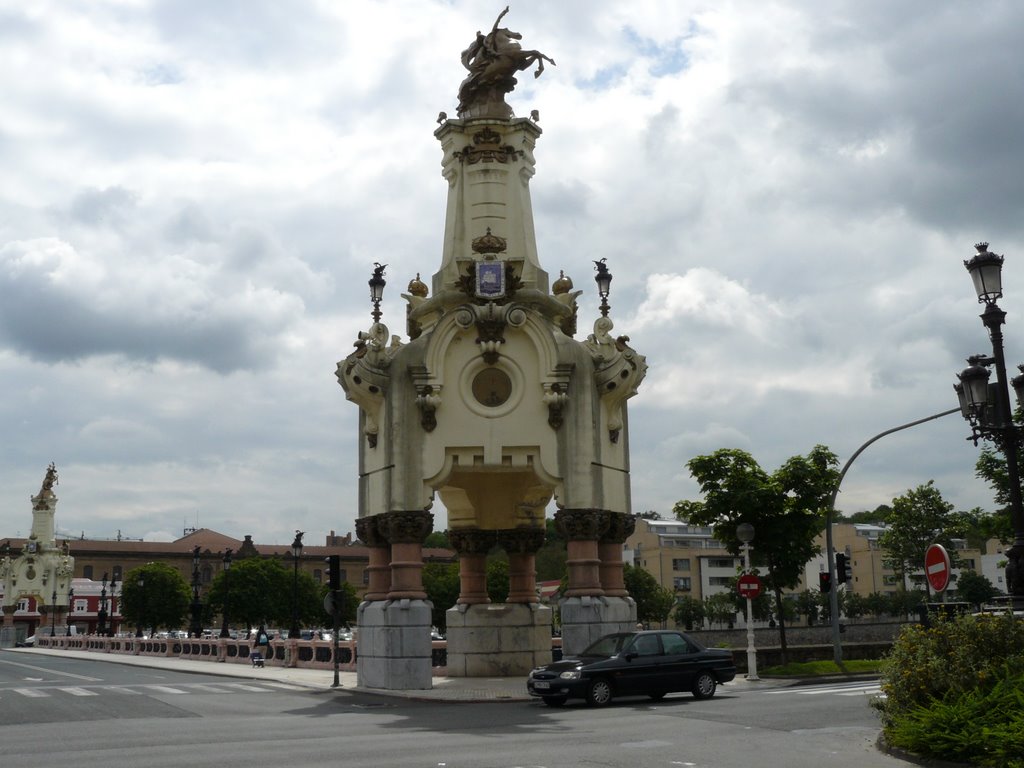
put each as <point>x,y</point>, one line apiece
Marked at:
<point>492,61</point>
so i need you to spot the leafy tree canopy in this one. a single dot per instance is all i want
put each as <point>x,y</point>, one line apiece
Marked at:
<point>260,590</point>
<point>161,600</point>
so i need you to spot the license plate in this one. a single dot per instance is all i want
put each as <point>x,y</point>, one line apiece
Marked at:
<point>541,686</point>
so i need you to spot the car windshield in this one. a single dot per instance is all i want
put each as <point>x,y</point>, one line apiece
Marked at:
<point>609,645</point>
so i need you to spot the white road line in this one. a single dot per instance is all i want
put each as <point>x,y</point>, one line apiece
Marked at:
<point>244,687</point>
<point>841,690</point>
<point>51,671</point>
<point>125,691</point>
<point>208,688</point>
<point>286,686</point>
<point>78,691</point>
<point>164,689</point>
<point>32,693</point>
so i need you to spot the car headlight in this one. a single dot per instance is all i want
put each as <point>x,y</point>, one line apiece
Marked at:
<point>570,674</point>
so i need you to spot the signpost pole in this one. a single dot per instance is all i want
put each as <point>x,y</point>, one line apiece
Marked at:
<point>745,533</point>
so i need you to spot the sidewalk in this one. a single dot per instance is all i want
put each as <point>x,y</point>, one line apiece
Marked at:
<point>471,689</point>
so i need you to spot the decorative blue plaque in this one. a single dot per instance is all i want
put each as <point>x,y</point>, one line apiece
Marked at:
<point>490,279</point>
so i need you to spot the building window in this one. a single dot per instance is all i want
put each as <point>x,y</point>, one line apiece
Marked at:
<point>22,606</point>
<point>87,572</point>
<point>80,606</point>
<point>207,574</point>
<point>680,564</point>
<point>682,583</point>
<point>366,577</point>
<point>343,575</point>
<point>719,581</point>
<point>318,575</point>
<point>117,573</point>
<point>720,562</point>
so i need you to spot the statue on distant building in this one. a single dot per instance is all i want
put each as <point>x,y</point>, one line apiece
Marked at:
<point>492,61</point>
<point>50,480</point>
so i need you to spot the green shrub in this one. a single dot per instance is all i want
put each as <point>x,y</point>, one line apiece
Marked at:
<point>953,655</point>
<point>983,726</point>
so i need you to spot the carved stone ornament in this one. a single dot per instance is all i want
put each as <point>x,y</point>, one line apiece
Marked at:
<point>490,319</point>
<point>489,244</point>
<point>618,371</point>
<point>365,375</point>
<point>472,541</point>
<point>369,533</point>
<point>555,399</point>
<point>468,282</point>
<point>487,148</point>
<point>428,401</point>
<point>587,524</point>
<point>407,527</point>
<point>620,527</point>
<point>521,541</point>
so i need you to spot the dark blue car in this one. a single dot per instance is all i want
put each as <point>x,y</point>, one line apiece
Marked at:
<point>634,664</point>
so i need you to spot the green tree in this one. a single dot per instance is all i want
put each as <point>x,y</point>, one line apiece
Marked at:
<point>920,517</point>
<point>879,604</point>
<point>807,604</point>
<point>785,508</point>
<point>437,540</point>
<point>161,600</point>
<point>647,593</point>
<point>441,583</point>
<point>991,467</point>
<point>720,609</point>
<point>975,588</point>
<point>260,590</point>
<point>662,602</point>
<point>550,560</point>
<point>689,612</point>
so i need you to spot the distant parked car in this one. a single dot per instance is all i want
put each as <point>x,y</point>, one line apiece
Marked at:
<point>28,642</point>
<point>650,663</point>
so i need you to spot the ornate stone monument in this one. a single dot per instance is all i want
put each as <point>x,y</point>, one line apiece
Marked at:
<point>493,405</point>
<point>42,572</point>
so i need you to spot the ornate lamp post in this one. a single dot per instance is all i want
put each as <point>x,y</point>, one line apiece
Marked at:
<point>113,607</point>
<point>603,278</point>
<point>296,554</point>
<point>67,615</point>
<point>745,533</point>
<point>377,283</point>
<point>101,614</point>
<point>227,594</point>
<point>196,627</point>
<point>53,612</point>
<point>142,605</point>
<point>987,406</point>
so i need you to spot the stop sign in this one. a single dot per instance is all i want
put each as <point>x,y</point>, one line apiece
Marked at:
<point>749,585</point>
<point>936,567</point>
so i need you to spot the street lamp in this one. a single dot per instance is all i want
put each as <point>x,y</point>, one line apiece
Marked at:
<point>142,605</point>
<point>603,278</point>
<point>101,614</point>
<point>377,283</point>
<point>67,616</point>
<point>227,594</point>
<point>745,533</point>
<point>987,406</point>
<point>296,554</point>
<point>53,611</point>
<point>113,606</point>
<point>196,628</point>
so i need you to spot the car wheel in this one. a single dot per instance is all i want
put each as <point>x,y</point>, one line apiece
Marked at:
<point>656,696</point>
<point>555,701</point>
<point>599,692</point>
<point>704,685</point>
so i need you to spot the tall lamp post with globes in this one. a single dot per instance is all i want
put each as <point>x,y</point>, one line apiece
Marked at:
<point>142,605</point>
<point>53,612</point>
<point>196,627</point>
<point>296,554</point>
<point>227,594</point>
<point>987,406</point>
<point>745,533</point>
<point>101,614</point>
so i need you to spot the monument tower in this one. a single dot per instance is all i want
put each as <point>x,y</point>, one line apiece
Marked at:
<point>496,408</point>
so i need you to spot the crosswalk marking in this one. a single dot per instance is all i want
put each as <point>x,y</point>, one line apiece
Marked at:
<point>32,693</point>
<point>225,688</point>
<point>79,692</point>
<point>847,689</point>
<point>164,689</point>
<point>244,687</point>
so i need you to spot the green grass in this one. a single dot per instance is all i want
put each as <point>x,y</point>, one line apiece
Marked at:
<point>816,668</point>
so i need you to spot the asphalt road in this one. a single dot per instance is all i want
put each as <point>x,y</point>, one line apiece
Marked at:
<point>60,711</point>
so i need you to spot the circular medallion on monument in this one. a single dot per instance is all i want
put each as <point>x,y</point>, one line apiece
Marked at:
<point>492,387</point>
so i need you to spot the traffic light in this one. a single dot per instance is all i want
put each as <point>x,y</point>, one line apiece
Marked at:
<point>825,581</point>
<point>841,576</point>
<point>334,564</point>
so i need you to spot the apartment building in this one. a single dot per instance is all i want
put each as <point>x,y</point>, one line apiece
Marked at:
<point>682,557</point>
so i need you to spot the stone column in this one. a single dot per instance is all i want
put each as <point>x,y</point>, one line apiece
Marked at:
<point>472,544</point>
<point>609,550</point>
<point>406,530</point>
<point>582,529</point>
<point>521,545</point>
<point>379,569</point>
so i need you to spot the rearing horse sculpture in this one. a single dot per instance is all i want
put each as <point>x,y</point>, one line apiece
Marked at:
<point>492,61</point>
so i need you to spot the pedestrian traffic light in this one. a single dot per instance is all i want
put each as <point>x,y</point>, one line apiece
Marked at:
<point>841,576</point>
<point>825,581</point>
<point>334,563</point>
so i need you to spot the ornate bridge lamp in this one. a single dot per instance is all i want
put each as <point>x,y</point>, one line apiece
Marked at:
<point>296,554</point>
<point>987,407</point>
<point>101,614</point>
<point>224,632</point>
<point>196,627</point>
<point>377,283</point>
<point>603,278</point>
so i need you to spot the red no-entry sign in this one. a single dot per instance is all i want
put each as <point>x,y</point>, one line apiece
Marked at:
<point>936,567</point>
<point>749,585</point>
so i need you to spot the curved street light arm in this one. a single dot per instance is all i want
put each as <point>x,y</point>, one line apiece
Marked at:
<point>830,550</point>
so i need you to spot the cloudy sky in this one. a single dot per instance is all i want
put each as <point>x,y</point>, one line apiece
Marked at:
<point>192,195</point>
